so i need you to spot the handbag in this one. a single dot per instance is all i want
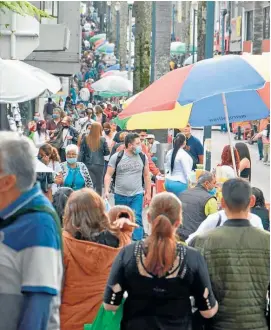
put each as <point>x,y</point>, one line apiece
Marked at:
<point>107,320</point>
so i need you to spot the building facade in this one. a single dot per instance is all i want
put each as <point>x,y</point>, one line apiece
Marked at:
<point>59,52</point>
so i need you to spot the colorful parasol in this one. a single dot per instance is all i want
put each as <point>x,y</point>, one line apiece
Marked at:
<point>220,90</point>
<point>97,37</point>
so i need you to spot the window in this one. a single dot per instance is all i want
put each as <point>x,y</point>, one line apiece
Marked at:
<point>249,25</point>
<point>51,8</point>
<point>266,23</point>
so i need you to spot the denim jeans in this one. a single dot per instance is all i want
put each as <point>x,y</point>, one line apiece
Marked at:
<point>136,204</point>
<point>175,187</point>
<point>260,148</point>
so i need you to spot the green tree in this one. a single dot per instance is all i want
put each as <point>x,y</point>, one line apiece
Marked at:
<point>23,8</point>
<point>142,59</point>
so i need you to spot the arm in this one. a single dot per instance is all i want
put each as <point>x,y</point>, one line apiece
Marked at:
<point>106,150</point>
<point>82,151</point>
<point>75,135</point>
<point>114,287</point>
<point>202,289</point>
<point>107,179</point>
<point>87,177</point>
<point>200,159</point>
<point>244,163</point>
<point>36,311</point>
<point>200,152</point>
<point>147,182</point>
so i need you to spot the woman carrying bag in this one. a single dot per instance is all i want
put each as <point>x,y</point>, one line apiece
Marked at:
<point>160,276</point>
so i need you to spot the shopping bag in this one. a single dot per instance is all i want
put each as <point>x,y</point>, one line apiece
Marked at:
<point>106,320</point>
<point>107,205</point>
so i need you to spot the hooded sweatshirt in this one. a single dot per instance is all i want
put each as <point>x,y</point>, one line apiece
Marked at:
<point>87,267</point>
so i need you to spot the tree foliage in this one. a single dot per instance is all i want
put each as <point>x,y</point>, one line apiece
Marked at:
<point>23,8</point>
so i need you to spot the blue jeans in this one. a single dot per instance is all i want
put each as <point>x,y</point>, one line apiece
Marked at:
<point>136,204</point>
<point>175,187</point>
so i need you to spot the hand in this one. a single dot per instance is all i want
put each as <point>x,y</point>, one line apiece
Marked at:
<point>69,137</point>
<point>106,195</point>
<point>59,179</point>
<point>147,198</point>
<point>123,222</point>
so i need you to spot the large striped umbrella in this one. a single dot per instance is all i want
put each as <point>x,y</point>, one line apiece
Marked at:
<point>106,48</point>
<point>97,37</point>
<point>215,91</point>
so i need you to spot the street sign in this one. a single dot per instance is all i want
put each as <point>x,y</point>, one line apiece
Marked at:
<point>19,35</point>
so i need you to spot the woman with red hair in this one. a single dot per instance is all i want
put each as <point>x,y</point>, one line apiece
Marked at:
<point>227,169</point>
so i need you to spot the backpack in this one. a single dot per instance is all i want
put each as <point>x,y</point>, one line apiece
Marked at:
<point>119,157</point>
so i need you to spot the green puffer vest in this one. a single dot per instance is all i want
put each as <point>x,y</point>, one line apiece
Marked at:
<point>238,259</point>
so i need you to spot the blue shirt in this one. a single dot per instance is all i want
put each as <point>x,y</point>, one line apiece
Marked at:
<point>74,179</point>
<point>195,149</point>
<point>30,264</point>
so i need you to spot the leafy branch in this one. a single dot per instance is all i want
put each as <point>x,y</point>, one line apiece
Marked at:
<point>23,8</point>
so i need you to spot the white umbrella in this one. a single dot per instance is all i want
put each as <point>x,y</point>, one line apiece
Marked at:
<point>189,60</point>
<point>20,82</point>
<point>42,168</point>
<point>113,84</point>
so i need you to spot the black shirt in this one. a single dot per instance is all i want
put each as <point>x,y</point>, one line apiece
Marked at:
<point>159,303</point>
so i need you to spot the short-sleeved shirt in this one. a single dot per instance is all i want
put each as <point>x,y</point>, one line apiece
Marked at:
<point>128,174</point>
<point>195,149</point>
<point>159,303</point>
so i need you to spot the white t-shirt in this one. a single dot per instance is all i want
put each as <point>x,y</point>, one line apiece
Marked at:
<point>154,147</point>
<point>183,165</point>
<point>212,220</point>
<point>227,172</point>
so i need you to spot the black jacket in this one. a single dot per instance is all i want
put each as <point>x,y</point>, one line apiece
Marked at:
<point>89,157</point>
<point>58,141</point>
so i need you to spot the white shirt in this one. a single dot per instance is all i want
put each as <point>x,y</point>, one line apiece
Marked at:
<point>40,140</point>
<point>183,165</point>
<point>227,172</point>
<point>211,222</point>
<point>154,147</point>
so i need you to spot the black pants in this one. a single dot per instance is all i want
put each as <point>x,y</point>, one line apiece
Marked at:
<point>62,155</point>
<point>97,173</point>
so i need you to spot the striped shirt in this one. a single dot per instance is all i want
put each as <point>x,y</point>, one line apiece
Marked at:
<point>30,260</point>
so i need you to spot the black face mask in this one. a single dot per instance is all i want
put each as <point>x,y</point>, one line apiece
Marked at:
<point>107,132</point>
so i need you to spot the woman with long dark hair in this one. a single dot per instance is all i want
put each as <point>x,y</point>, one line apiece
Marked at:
<point>245,160</point>
<point>160,275</point>
<point>41,136</point>
<point>92,152</point>
<point>178,167</point>
<point>260,208</point>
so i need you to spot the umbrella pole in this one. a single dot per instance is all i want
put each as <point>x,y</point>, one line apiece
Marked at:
<point>229,132</point>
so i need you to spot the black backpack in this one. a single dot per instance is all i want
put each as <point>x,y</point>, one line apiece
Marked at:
<point>120,155</point>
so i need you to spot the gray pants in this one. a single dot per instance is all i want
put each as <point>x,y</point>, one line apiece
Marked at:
<point>96,173</point>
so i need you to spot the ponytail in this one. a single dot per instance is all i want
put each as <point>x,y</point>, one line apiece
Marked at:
<point>178,142</point>
<point>161,247</point>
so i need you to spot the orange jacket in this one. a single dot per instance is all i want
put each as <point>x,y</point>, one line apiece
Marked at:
<point>87,267</point>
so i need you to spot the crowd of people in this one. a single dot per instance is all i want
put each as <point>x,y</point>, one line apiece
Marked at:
<point>197,268</point>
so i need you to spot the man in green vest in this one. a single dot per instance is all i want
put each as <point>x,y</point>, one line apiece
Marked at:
<point>238,259</point>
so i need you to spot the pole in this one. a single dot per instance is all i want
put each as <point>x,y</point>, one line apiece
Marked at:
<point>224,12</point>
<point>229,132</point>
<point>173,23</point>
<point>194,35</point>
<point>118,33</point>
<point>130,41</point>
<point>153,41</point>
<point>209,50</point>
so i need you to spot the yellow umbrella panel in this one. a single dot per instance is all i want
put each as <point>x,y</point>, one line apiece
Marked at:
<point>176,118</point>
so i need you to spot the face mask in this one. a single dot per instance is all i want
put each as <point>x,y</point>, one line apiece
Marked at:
<point>55,116</point>
<point>212,192</point>
<point>65,125</point>
<point>137,150</point>
<point>40,157</point>
<point>36,118</point>
<point>107,132</point>
<point>43,129</point>
<point>71,160</point>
